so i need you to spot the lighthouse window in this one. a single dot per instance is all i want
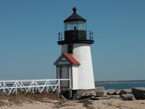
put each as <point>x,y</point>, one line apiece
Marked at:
<point>70,48</point>
<point>75,25</point>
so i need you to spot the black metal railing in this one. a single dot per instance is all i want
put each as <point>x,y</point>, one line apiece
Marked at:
<point>61,36</point>
<point>89,36</point>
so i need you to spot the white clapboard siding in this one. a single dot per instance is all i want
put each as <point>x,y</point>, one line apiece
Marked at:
<point>82,53</point>
<point>75,77</point>
<point>85,76</point>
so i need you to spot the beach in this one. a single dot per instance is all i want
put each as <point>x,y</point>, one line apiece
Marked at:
<point>52,102</point>
<point>93,104</point>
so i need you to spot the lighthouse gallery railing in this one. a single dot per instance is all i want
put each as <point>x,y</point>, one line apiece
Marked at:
<point>9,86</point>
<point>89,36</point>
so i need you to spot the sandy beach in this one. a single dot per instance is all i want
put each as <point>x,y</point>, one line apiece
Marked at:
<point>34,102</point>
<point>97,104</point>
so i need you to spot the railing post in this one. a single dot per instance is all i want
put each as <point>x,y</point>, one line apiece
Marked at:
<point>3,87</point>
<point>47,87</point>
<point>16,88</point>
<point>33,87</point>
<point>58,86</point>
<point>61,36</point>
<point>90,35</point>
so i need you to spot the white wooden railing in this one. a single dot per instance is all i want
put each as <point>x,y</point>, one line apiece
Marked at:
<point>9,86</point>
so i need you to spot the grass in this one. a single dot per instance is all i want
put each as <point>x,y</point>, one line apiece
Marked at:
<point>20,97</point>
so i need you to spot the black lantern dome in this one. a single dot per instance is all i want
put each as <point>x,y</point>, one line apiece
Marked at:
<point>75,30</point>
<point>74,17</point>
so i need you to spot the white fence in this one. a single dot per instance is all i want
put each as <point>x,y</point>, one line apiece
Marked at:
<point>9,86</point>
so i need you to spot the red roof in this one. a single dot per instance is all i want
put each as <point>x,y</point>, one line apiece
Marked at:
<point>71,58</point>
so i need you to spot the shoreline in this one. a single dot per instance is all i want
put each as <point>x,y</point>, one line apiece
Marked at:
<point>129,81</point>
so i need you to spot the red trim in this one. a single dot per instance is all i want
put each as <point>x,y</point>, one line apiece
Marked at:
<point>71,58</point>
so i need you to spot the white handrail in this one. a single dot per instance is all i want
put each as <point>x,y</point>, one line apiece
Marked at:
<point>27,80</point>
<point>19,84</point>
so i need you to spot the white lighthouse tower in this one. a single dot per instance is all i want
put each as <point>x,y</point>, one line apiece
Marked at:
<point>75,61</point>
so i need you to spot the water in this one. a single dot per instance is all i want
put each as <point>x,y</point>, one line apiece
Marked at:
<point>121,85</point>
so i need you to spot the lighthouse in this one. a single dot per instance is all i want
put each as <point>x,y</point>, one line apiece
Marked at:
<point>75,61</point>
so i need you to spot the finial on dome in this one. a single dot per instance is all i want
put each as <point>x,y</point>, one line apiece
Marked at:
<point>74,9</point>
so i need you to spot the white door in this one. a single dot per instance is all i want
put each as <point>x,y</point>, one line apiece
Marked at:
<point>64,74</point>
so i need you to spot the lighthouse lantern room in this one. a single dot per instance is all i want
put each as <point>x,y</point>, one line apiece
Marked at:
<point>75,62</point>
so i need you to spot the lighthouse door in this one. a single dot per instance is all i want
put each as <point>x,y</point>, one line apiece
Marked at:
<point>64,75</point>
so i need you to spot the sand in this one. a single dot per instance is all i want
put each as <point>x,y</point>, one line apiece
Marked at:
<point>53,101</point>
<point>76,104</point>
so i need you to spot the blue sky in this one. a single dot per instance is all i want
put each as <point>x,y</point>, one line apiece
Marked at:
<point>29,34</point>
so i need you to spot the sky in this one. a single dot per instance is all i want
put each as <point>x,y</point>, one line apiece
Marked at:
<point>29,34</point>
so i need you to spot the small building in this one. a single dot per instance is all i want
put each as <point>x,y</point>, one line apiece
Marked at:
<point>75,61</point>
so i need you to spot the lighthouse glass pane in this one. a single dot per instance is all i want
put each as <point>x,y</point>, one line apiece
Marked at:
<point>75,25</point>
<point>82,26</point>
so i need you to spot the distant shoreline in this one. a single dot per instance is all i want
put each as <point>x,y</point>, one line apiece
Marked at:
<point>126,81</point>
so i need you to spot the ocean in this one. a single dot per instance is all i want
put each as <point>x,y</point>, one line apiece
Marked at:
<point>121,85</point>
